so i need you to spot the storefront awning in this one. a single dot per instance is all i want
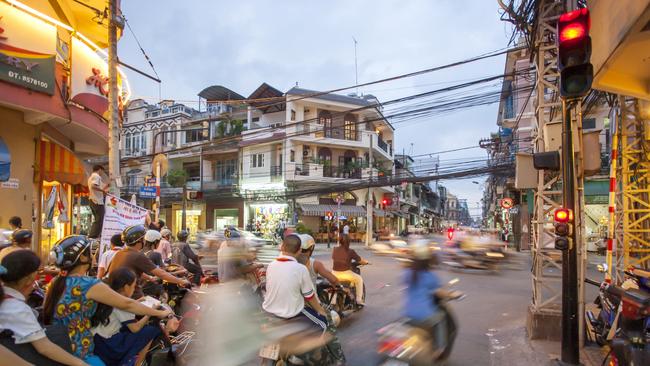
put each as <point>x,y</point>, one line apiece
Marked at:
<point>321,210</point>
<point>56,163</point>
<point>379,212</point>
<point>5,161</point>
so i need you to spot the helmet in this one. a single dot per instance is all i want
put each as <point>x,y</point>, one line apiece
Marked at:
<point>165,233</point>
<point>22,236</point>
<point>420,250</point>
<point>152,236</point>
<point>183,235</point>
<point>306,241</point>
<point>133,234</point>
<point>67,251</point>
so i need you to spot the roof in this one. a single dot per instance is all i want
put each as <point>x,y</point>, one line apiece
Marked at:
<point>309,209</point>
<point>218,92</point>
<point>330,96</point>
<point>267,91</point>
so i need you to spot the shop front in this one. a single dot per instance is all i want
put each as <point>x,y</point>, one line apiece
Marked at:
<point>224,213</point>
<point>321,220</point>
<point>267,218</point>
<point>195,218</point>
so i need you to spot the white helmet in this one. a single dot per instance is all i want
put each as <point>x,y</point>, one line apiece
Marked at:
<point>420,249</point>
<point>165,233</point>
<point>152,236</point>
<point>306,241</point>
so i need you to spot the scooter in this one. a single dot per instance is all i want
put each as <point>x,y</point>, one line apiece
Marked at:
<point>341,299</point>
<point>631,346</point>
<point>403,343</point>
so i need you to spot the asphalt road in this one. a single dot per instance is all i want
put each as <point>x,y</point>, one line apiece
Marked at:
<point>494,302</point>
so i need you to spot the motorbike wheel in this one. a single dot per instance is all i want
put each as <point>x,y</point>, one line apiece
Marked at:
<point>451,333</point>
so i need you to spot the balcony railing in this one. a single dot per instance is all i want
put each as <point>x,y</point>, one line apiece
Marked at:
<point>302,169</point>
<point>382,144</point>
<point>331,171</point>
<point>341,134</point>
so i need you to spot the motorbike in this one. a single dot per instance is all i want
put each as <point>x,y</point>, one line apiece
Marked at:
<point>404,343</point>
<point>480,258</point>
<point>341,299</point>
<point>630,346</point>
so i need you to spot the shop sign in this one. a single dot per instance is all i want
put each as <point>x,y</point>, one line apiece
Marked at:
<point>12,183</point>
<point>119,214</point>
<point>89,86</point>
<point>148,192</point>
<point>27,50</point>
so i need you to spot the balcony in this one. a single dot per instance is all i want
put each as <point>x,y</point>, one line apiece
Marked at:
<point>220,184</point>
<point>276,173</point>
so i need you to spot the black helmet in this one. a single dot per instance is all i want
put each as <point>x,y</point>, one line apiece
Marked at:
<point>67,251</point>
<point>183,235</point>
<point>133,234</point>
<point>22,236</point>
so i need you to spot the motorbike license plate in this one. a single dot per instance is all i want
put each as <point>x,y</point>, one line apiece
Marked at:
<point>270,351</point>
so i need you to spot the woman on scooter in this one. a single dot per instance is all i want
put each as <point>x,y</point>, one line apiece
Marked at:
<point>342,257</point>
<point>73,296</point>
<point>120,339</point>
<point>18,274</point>
<point>421,284</point>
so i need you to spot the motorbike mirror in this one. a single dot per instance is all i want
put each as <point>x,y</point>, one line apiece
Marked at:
<point>453,281</point>
<point>602,268</point>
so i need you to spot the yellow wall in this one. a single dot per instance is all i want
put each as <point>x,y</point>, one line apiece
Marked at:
<point>19,138</point>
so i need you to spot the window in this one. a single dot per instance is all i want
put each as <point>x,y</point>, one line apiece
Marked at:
<point>255,119</point>
<point>350,127</point>
<point>257,161</point>
<point>292,156</point>
<point>293,115</point>
<point>588,123</point>
<point>193,170</point>
<point>195,135</point>
<point>325,119</point>
<point>225,171</point>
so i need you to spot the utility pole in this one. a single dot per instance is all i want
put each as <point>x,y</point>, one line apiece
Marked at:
<point>113,107</point>
<point>369,201</point>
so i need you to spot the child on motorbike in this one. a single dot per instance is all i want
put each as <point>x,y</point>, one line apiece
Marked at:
<point>18,275</point>
<point>119,338</point>
<point>72,297</point>
<point>421,282</point>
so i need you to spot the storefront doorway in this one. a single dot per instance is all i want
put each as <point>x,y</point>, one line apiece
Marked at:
<point>267,219</point>
<point>225,217</point>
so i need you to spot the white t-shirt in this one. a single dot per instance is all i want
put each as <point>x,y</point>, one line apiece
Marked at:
<point>106,258</point>
<point>287,286</point>
<point>18,317</point>
<point>114,325</point>
<point>97,196</point>
<point>346,229</point>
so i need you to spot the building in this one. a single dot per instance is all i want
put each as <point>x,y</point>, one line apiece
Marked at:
<point>53,103</point>
<point>306,141</point>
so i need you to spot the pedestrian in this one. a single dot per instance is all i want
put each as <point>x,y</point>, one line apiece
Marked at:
<point>98,189</point>
<point>15,223</point>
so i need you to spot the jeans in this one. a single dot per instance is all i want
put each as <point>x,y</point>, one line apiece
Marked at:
<point>98,220</point>
<point>356,281</point>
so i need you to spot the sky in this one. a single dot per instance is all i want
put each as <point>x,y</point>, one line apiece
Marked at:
<point>240,44</point>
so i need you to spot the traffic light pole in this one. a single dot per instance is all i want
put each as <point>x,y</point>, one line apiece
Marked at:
<point>570,340</point>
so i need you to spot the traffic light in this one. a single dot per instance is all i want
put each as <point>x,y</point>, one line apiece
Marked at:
<point>574,52</point>
<point>563,228</point>
<point>387,201</point>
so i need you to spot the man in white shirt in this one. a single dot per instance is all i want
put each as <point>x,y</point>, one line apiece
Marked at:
<point>289,286</point>
<point>346,229</point>
<point>106,257</point>
<point>97,189</point>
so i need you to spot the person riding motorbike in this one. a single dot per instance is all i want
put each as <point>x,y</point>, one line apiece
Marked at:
<point>183,255</point>
<point>234,259</point>
<point>132,257</point>
<point>342,257</point>
<point>72,297</point>
<point>421,282</point>
<point>20,239</point>
<point>106,257</point>
<point>315,267</point>
<point>289,287</point>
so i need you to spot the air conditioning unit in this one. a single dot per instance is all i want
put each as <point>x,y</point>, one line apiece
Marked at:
<point>306,151</point>
<point>276,125</point>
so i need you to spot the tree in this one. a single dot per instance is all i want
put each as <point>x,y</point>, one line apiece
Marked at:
<point>177,178</point>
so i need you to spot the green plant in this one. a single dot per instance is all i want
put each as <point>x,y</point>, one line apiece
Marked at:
<point>237,127</point>
<point>302,229</point>
<point>221,129</point>
<point>177,178</point>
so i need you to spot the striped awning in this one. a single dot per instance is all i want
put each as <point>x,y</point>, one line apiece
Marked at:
<point>309,209</point>
<point>379,212</point>
<point>56,163</point>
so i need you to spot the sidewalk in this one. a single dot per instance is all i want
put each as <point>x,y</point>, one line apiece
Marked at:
<point>510,345</point>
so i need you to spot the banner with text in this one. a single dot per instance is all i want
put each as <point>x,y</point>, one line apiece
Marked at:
<point>118,215</point>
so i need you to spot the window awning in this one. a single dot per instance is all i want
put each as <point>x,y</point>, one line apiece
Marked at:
<point>379,212</point>
<point>5,161</point>
<point>56,163</point>
<point>309,209</point>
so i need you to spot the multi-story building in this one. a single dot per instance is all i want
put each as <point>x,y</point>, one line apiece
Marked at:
<point>305,140</point>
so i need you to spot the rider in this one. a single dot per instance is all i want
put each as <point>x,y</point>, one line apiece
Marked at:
<point>342,257</point>
<point>72,296</point>
<point>234,260</point>
<point>132,257</point>
<point>165,246</point>
<point>315,267</point>
<point>183,255</point>
<point>20,239</point>
<point>421,284</point>
<point>106,257</point>
<point>289,286</point>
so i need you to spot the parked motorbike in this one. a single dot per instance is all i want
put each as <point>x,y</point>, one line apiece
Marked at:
<point>341,299</point>
<point>630,346</point>
<point>405,343</point>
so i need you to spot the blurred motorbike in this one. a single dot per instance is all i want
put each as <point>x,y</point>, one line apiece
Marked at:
<point>341,299</point>
<point>404,343</point>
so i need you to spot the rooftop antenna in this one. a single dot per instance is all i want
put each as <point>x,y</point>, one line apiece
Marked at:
<point>356,70</point>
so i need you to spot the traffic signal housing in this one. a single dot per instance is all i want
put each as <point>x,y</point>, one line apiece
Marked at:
<point>563,228</point>
<point>574,53</point>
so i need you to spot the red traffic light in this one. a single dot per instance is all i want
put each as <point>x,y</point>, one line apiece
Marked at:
<point>384,201</point>
<point>574,25</point>
<point>563,215</point>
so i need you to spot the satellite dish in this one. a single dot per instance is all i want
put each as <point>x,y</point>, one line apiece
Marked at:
<point>160,160</point>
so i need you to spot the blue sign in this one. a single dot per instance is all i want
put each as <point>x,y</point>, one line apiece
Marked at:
<point>148,192</point>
